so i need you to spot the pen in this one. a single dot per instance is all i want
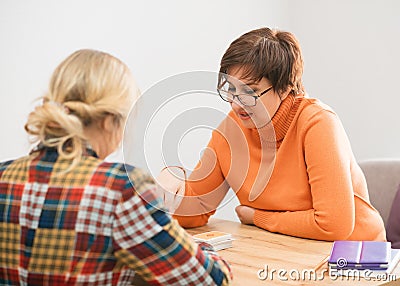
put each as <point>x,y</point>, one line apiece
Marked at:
<point>321,263</point>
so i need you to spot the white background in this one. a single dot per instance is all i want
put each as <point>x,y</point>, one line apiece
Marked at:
<point>351,51</point>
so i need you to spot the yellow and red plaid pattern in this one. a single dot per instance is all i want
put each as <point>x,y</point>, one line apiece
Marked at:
<point>98,223</point>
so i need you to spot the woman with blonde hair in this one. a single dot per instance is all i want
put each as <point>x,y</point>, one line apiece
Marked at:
<point>69,218</point>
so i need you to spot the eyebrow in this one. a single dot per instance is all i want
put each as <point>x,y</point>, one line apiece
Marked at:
<point>243,84</point>
<point>250,85</point>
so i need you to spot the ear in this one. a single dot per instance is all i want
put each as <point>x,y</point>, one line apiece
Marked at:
<point>284,94</point>
<point>108,123</point>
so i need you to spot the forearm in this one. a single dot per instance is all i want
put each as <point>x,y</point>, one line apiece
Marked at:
<point>147,240</point>
<point>172,257</point>
<point>204,190</point>
<point>307,224</point>
<point>193,221</point>
<point>195,210</point>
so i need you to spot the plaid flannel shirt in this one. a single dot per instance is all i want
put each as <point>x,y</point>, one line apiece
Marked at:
<point>93,224</point>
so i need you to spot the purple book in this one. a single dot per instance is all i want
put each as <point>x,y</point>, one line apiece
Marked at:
<point>345,251</point>
<point>374,252</point>
<point>360,254</point>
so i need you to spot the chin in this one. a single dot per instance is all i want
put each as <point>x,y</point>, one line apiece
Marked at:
<point>248,124</point>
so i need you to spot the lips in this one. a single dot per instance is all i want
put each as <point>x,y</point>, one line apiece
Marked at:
<point>244,115</point>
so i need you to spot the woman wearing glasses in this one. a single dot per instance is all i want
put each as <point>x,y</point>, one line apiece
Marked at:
<point>286,156</point>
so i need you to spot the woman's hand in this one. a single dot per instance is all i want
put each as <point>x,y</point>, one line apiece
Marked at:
<point>171,187</point>
<point>245,214</point>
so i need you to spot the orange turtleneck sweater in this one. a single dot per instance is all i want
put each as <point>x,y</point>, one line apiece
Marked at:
<point>299,173</point>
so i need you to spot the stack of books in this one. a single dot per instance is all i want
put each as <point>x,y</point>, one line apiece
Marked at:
<point>356,257</point>
<point>217,239</point>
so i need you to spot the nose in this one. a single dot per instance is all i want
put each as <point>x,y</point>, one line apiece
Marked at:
<point>236,104</point>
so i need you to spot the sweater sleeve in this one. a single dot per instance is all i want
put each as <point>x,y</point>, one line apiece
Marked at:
<point>204,190</point>
<point>149,241</point>
<point>327,155</point>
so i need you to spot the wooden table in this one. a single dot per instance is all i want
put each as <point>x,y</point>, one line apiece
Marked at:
<point>254,249</point>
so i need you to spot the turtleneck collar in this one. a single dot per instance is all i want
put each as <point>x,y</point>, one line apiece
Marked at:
<point>281,120</point>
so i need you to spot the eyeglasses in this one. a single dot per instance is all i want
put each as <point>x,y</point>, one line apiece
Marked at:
<point>246,99</point>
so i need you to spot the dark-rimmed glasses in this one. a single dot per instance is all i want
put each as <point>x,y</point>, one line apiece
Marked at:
<point>246,99</point>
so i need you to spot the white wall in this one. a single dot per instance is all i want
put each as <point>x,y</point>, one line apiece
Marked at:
<point>352,59</point>
<point>350,49</point>
<point>155,38</point>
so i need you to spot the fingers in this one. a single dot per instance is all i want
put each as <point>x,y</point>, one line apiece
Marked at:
<point>245,214</point>
<point>171,187</point>
<point>238,211</point>
<point>173,198</point>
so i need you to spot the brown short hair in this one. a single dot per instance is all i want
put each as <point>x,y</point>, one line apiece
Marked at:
<point>268,53</point>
